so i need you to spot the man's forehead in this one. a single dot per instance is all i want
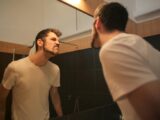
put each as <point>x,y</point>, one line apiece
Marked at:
<point>52,34</point>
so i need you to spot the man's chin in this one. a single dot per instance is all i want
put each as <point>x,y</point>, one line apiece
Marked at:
<point>51,53</point>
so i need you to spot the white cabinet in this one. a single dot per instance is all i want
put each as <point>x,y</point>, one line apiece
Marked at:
<point>21,20</point>
<point>67,19</point>
<point>84,22</point>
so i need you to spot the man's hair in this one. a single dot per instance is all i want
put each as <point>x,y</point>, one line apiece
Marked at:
<point>43,34</point>
<point>113,15</point>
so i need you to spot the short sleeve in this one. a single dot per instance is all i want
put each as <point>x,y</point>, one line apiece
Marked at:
<point>9,77</point>
<point>125,69</point>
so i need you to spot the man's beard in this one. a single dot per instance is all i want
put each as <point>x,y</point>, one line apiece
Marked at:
<point>49,51</point>
<point>95,39</point>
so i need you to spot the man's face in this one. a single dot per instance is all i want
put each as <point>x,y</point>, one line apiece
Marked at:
<point>95,37</point>
<point>51,44</point>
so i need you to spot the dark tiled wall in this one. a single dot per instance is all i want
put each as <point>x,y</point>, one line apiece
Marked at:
<point>82,83</point>
<point>154,41</point>
<point>5,59</point>
<point>105,112</point>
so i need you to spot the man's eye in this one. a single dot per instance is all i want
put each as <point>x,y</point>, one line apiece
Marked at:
<point>53,39</point>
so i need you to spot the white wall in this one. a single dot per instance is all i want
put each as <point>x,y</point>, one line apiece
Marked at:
<point>22,19</point>
<point>141,10</point>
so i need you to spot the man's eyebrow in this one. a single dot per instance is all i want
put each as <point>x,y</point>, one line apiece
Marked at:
<point>54,38</point>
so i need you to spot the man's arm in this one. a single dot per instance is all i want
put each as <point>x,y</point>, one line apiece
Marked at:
<point>3,95</point>
<point>55,97</point>
<point>146,100</point>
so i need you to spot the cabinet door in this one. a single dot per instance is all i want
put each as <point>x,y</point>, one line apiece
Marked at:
<point>84,22</point>
<point>65,18</point>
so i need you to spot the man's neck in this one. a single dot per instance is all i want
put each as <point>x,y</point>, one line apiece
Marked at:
<point>108,36</point>
<point>38,58</point>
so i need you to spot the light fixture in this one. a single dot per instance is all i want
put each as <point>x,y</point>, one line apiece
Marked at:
<point>85,6</point>
<point>74,2</point>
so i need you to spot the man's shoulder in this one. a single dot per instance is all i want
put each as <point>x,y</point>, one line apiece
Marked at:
<point>13,65</point>
<point>53,65</point>
<point>17,62</point>
<point>123,43</point>
<point>124,37</point>
<point>125,40</point>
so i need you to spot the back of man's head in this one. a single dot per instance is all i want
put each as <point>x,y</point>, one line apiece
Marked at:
<point>113,15</point>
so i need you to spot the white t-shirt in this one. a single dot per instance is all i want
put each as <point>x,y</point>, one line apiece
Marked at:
<point>128,62</point>
<point>31,85</point>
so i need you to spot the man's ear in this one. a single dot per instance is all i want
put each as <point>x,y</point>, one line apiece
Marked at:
<point>40,42</point>
<point>98,24</point>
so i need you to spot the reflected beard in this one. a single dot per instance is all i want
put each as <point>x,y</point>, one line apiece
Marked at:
<point>95,39</point>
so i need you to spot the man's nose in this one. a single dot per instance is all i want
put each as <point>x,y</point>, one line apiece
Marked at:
<point>57,42</point>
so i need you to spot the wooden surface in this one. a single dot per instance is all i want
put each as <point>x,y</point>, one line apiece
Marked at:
<point>13,48</point>
<point>82,43</point>
<point>144,29</point>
